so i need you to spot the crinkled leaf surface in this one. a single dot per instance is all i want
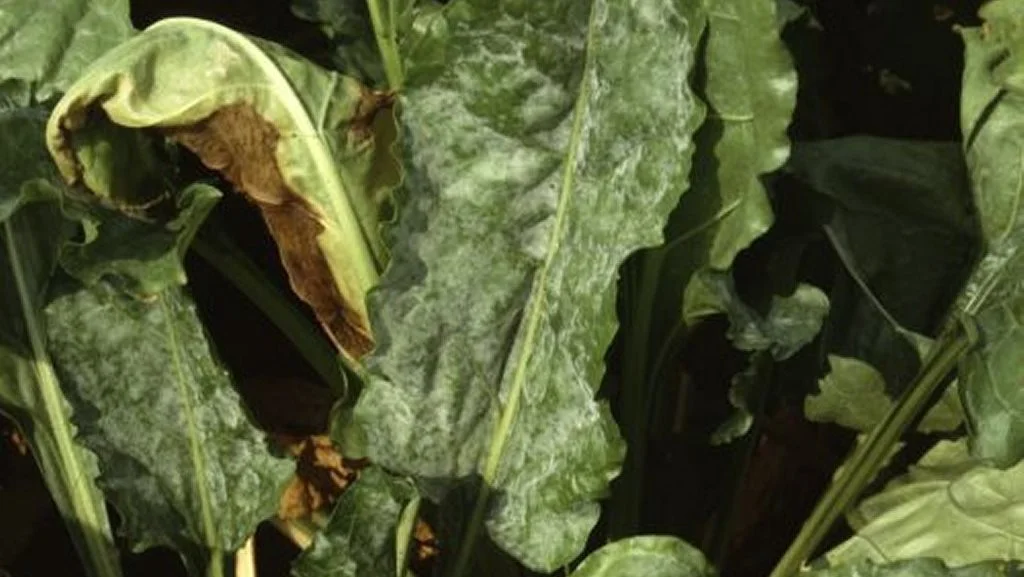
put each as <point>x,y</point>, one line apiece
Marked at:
<point>948,507</point>
<point>178,455</point>
<point>853,394</point>
<point>548,144</point>
<point>646,556</point>
<point>992,119</point>
<point>295,139</point>
<point>31,232</point>
<point>359,539</point>
<point>920,568</point>
<point>46,45</point>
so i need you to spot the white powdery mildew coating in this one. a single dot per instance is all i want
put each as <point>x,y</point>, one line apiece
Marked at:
<point>553,143</point>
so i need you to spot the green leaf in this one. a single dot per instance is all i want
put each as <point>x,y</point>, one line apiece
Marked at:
<point>30,393</point>
<point>347,24</point>
<point>746,389</point>
<point>374,40</point>
<point>297,140</point>
<point>920,568</point>
<point>899,216</point>
<point>31,232</point>
<point>549,144</point>
<point>853,394</point>
<point>46,46</point>
<point>750,88</point>
<point>139,256</point>
<point>178,455</point>
<point>745,76</point>
<point>992,119</point>
<point>791,321</point>
<point>948,507</point>
<point>359,539</point>
<point>646,556</point>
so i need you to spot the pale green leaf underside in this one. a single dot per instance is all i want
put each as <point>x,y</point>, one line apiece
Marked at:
<point>178,455</point>
<point>359,539</point>
<point>992,118</point>
<point>646,556</point>
<point>853,394</point>
<point>31,231</point>
<point>947,507</point>
<point>46,45</point>
<point>920,568</point>
<point>295,138</point>
<point>551,143</point>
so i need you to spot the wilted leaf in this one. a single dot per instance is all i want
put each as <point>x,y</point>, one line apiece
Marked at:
<point>45,46</point>
<point>295,139</point>
<point>359,539</point>
<point>31,233</point>
<point>646,556</point>
<point>948,507</point>
<point>853,394</point>
<point>992,119</point>
<point>321,476</point>
<point>178,456</point>
<point>920,568</point>
<point>550,144</point>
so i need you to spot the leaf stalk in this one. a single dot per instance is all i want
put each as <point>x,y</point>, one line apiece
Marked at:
<point>870,455</point>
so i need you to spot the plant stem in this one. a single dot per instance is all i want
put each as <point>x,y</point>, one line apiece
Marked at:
<point>476,520</point>
<point>387,41</point>
<point>624,508</point>
<point>216,566</point>
<point>869,456</point>
<point>231,262</point>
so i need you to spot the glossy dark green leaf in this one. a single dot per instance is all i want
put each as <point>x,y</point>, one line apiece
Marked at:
<point>550,142</point>
<point>992,118</point>
<point>45,46</point>
<point>921,568</point>
<point>359,539</point>
<point>178,455</point>
<point>139,256</point>
<point>32,230</point>
<point>948,506</point>
<point>646,556</point>
<point>899,216</point>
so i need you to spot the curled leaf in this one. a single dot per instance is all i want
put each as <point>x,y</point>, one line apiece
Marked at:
<point>295,139</point>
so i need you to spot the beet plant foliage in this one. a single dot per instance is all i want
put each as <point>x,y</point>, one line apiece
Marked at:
<point>510,220</point>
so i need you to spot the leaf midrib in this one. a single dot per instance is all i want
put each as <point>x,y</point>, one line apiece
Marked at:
<point>511,409</point>
<point>94,526</point>
<point>194,446</point>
